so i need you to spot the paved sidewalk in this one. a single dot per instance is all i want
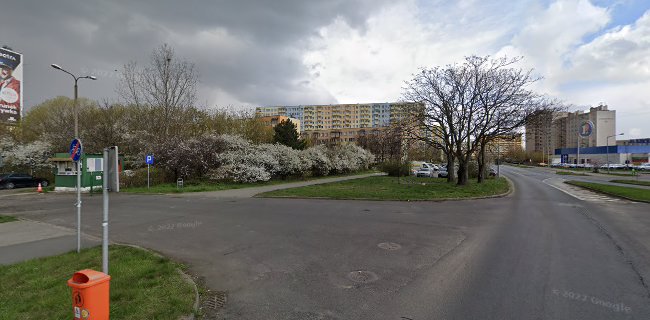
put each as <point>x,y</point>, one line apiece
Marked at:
<point>24,239</point>
<point>251,192</point>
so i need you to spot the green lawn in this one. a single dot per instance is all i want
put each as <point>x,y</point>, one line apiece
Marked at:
<point>387,188</point>
<point>143,286</point>
<point>570,173</point>
<point>206,186</point>
<point>636,182</point>
<point>4,219</point>
<point>198,187</point>
<point>636,194</point>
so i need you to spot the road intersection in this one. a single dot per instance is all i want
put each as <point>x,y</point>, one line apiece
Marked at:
<point>539,253</point>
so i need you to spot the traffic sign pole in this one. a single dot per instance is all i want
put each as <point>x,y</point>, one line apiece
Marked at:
<point>149,160</point>
<point>78,206</point>
<point>105,217</point>
<point>76,150</point>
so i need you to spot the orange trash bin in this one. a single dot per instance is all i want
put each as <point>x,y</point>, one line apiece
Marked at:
<point>90,295</point>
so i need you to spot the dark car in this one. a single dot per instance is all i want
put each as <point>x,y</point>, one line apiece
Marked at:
<point>20,180</point>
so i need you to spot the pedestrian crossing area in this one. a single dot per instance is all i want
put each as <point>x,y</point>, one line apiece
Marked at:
<point>581,193</point>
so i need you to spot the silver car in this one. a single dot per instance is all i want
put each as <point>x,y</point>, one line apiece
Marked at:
<point>424,172</point>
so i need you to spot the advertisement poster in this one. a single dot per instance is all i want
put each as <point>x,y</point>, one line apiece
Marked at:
<point>11,89</point>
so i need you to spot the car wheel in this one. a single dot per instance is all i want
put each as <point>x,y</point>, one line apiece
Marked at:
<point>44,183</point>
<point>9,185</point>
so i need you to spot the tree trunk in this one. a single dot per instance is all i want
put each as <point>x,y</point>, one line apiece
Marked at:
<point>450,168</point>
<point>463,172</point>
<point>481,164</point>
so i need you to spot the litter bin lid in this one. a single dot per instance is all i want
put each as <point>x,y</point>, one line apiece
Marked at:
<point>87,278</point>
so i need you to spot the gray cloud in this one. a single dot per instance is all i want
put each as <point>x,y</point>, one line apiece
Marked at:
<point>245,51</point>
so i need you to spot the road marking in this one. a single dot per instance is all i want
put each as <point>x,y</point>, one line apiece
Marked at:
<point>580,193</point>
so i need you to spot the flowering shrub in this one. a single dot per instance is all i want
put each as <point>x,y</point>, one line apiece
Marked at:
<point>317,160</point>
<point>32,155</point>
<point>233,158</point>
<point>290,162</point>
<point>349,158</point>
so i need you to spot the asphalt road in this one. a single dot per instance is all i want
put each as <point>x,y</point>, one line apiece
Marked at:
<point>544,252</point>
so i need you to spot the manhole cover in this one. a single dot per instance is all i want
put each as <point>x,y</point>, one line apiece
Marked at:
<point>214,300</point>
<point>389,246</point>
<point>362,276</point>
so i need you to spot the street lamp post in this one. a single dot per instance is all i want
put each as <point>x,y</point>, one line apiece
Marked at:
<point>76,135</point>
<point>578,153</point>
<point>614,135</point>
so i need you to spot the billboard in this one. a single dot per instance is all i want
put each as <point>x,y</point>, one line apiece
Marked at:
<point>11,89</point>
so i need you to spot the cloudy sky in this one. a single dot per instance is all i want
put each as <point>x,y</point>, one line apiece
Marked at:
<point>256,52</point>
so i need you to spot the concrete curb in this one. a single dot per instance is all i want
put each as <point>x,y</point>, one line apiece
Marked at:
<point>184,275</point>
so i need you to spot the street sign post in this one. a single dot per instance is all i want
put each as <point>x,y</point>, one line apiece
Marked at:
<point>76,150</point>
<point>111,182</point>
<point>149,161</point>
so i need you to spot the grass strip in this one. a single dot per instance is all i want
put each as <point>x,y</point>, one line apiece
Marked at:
<point>570,173</point>
<point>219,186</point>
<point>4,219</point>
<point>630,193</point>
<point>143,286</point>
<point>388,188</point>
<point>635,182</point>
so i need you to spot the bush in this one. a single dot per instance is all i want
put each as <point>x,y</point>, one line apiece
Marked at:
<point>316,157</point>
<point>394,168</point>
<point>138,177</point>
<point>349,158</point>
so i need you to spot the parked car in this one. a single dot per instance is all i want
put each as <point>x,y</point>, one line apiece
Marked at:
<point>614,166</point>
<point>435,167</point>
<point>493,172</point>
<point>20,180</point>
<point>643,166</point>
<point>442,173</point>
<point>426,172</point>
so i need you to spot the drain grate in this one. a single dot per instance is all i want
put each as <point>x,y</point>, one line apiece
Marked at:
<point>302,315</point>
<point>389,246</point>
<point>214,300</point>
<point>362,276</point>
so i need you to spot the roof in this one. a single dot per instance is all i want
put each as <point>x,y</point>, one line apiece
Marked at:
<point>59,159</point>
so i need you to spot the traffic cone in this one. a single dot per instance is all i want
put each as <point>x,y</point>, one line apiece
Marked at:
<point>40,188</point>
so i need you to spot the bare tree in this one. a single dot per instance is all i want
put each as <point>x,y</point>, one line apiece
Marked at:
<point>167,85</point>
<point>467,105</point>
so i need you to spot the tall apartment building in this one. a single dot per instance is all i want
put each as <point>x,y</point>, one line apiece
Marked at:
<point>560,130</point>
<point>505,144</point>
<point>337,123</point>
<point>604,121</point>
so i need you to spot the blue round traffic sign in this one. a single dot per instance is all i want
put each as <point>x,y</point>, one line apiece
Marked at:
<point>76,149</point>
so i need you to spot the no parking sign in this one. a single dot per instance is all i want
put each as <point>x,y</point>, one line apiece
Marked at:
<point>76,149</point>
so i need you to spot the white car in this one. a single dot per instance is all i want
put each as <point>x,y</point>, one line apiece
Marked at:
<point>433,166</point>
<point>424,172</point>
<point>643,166</point>
<point>613,166</point>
